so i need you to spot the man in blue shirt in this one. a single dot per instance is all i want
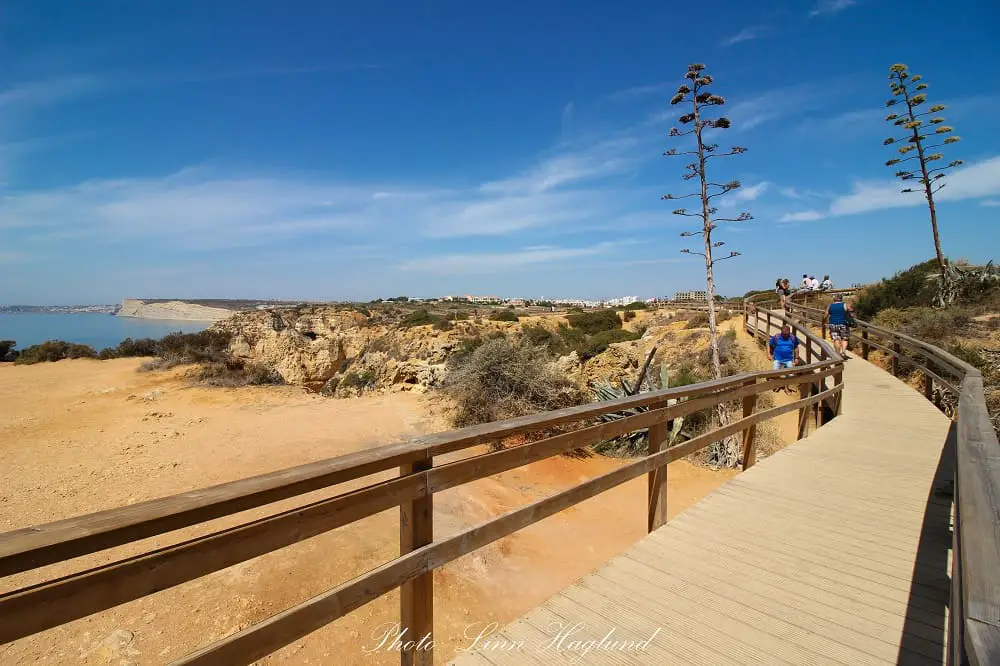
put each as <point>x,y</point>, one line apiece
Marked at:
<point>781,348</point>
<point>837,316</point>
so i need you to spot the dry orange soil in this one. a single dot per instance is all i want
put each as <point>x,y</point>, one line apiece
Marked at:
<point>82,436</point>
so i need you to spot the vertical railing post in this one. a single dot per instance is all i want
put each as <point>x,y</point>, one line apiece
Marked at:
<point>750,434</point>
<point>929,383</point>
<point>416,597</point>
<point>864,344</point>
<point>895,358</point>
<point>657,479</point>
<point>804,410</point>
<point>838,380</point>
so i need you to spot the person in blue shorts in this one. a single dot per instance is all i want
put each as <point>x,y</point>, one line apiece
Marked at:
<point>781,348</point>
<point>836,320</point>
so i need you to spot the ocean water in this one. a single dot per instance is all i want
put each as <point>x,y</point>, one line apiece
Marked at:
<point>97,330</point>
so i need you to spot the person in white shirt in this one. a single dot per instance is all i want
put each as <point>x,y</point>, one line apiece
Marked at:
<point>813,284</point>
<point>827,284</point>
<point>805,283</point>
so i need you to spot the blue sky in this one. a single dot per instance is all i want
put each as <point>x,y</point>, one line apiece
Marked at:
<point>346,150</point>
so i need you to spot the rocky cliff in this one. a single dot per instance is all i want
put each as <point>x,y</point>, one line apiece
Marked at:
<point>134,307</point>
<point>345,352</point>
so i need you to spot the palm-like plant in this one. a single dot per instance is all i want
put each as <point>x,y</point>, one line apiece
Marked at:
<point>908,91</point>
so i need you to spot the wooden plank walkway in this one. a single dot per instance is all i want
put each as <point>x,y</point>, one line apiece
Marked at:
<point>833,551</point>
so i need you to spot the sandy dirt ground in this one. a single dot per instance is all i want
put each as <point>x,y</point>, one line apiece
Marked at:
<point>82,436</point>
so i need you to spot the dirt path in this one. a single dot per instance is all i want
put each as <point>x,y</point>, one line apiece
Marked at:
<point>81,436</point>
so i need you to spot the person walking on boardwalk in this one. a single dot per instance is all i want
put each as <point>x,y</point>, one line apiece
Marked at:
<point>781,348</point>
<point>827,284</point>
<point>837,316</point>
<point>782,291</point>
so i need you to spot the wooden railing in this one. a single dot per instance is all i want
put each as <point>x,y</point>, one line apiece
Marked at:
<point>957,388</point>
<point>35,608</point>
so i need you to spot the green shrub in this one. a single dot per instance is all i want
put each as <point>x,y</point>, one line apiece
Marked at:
<point>208,346</point>
<point>419,317</point>
<point>503,315</point>
<point>444,325</point>
<point>638,305</point>
<point>54,350</point>
<point>597,343</point>
<point>698,320</point>
<point>684,375</point>
<point>628,315</point>
<point>979,360</point>
<point>916,286</point>
<point>128,348</point>
<point>359,380</point>
<point>504,379</point>
<point>595,322</point>
<point>925,323</point>
<point>572,339</point>
<point>536,334</point>
<point>7,352</point>
<point>233,373</point>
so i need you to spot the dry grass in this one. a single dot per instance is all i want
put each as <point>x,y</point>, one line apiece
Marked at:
<point>503,378</point>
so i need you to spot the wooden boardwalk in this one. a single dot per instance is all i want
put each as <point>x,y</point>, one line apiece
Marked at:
<point>833,551</point>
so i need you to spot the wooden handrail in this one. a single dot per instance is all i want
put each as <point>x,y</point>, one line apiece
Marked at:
<point>53,602</point>
<point>36,546</point>
<point>974,617</point>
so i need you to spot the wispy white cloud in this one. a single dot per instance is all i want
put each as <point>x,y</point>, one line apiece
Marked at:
<point>831,7</point>
<point>489,262</point>
<point>209,75</point>
<point>771,105</point>
<point>802,216</point>
<point>974,181</point>
<point>746,34</point>
<point>199,209</point>
<point>751,192</point>
<point>33,94</point>
<point>637,92</point>
<point>872,120</point>
<point>605,158</point>
<point>991,203</point>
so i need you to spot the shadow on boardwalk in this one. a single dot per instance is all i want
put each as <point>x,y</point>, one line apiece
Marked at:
<point>930,568</point>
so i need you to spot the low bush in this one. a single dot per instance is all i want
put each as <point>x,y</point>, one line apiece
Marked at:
<point>7,352</point>
<point>419,317</point>
<point>503,315</point>
<point>54,350</point>
<point>233,373</point>
<point>503,379</point>
<point>536,334</point>
<point>637,305</point>
<point>914,287</point>
<point>444,325</point>
<point>599,342</point>
<point>361,381</point>
<point>925,323</point>
<point>628,315</point>
<point>595,322</point>
<point>128,348</point>
<point>698,320</point>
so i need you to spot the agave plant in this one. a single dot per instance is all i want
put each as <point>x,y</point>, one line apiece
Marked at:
<point>965,283</point>
<point>634,443</point>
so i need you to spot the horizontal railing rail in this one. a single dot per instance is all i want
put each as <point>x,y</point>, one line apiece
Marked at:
<point>34,608</point>
<point>974,618</point>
